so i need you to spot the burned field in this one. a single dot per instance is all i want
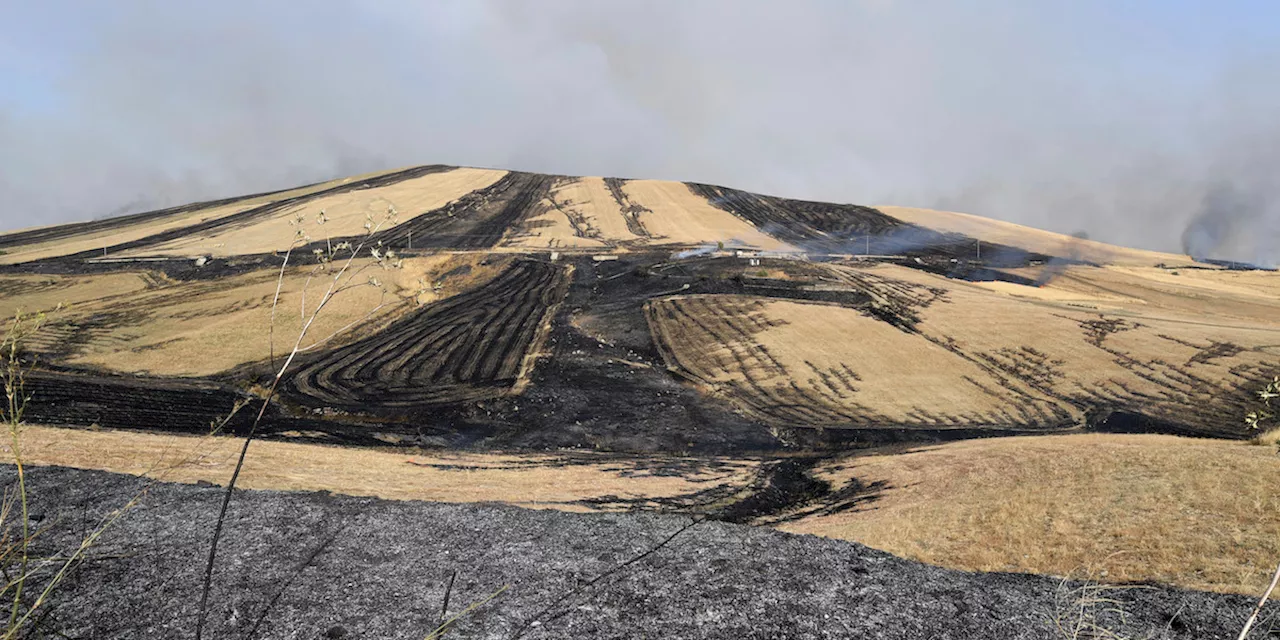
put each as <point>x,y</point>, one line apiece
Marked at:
<point>469,347</point>
<point>602,344</point>
<point>720,320</point>
<point>477,220</point>
<point>822,227</point>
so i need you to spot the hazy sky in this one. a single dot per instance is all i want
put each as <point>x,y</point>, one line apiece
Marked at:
<point>1125,120</point>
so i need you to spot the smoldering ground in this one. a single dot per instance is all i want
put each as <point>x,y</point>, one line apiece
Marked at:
<point>1120,121</point>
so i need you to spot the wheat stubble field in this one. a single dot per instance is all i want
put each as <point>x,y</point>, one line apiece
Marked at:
<point>956,390</point>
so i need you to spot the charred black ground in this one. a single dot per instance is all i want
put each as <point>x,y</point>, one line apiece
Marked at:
<point>315,565</point>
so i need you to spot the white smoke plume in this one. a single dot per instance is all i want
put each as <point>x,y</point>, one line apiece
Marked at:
<point>1119,119</point>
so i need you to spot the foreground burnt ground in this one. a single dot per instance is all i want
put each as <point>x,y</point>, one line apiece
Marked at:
<point>321,566</point>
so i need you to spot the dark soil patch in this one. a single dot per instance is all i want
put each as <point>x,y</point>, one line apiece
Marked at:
<point>826,228</point>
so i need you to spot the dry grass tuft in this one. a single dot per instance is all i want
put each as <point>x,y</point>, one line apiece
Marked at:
<point>1267,438</point>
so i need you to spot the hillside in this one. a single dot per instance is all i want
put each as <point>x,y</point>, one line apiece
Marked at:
<point>531,310</point>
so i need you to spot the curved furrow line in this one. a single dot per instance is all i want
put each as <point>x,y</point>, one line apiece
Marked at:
<point>464,348</point>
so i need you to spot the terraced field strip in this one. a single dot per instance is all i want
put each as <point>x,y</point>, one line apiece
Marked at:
<point>577,213</point>
<point>470,346</point>
<point>835,228</point>
<point>822,365</point>
<point>821,227</point>
<point>60,240</point>
<point>476,220</point>
<point>676,215</point>
<point>154,326</point>
<point>633,213</point>
<point>347,208</point>
<point>1169,357</point>
<point>147,234</point>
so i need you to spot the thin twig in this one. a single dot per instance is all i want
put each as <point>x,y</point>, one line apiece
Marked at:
<point>438,632</point>
<point>207,580</point>
<point>275,302</point>
<point>302,566</point>
<point>444,608</point>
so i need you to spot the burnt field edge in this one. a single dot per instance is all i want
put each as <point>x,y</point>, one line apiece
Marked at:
<point>710,565</point>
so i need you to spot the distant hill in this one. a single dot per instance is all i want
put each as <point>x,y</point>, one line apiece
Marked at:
<point>533,310</point>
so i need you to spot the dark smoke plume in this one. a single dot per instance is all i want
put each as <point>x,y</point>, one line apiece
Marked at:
<point>1226,220</point>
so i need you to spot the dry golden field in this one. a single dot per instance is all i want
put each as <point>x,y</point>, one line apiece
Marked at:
<point>1202,514</point>
<point>963,354</point>
<point>347,214</point>
<point>566,481</point>
<point>141,323</point>
<point>1032,239</point>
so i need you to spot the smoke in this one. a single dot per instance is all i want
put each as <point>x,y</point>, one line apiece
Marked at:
<point>1230,217</point>
<point>707,248</point>
<point>1071,253</point>
<point>1118,119</point>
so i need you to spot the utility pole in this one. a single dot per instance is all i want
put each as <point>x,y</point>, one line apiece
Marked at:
<point>410,239</point>
<point>979,251</point>
<point>868,251</point>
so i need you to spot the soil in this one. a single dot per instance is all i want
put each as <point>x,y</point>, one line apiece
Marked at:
<point>823,227</point>
<point>317,566</point>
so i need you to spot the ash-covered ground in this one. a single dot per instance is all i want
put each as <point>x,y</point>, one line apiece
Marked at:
<point>315,565</point>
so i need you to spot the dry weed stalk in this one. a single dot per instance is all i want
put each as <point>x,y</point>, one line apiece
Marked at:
<point>1078,610</point>
<point>335,261</point>
<point>1253,617</point>
<point>1256,420</point>
<point>16,538</point>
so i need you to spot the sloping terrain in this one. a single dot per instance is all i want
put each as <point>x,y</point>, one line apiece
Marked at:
<point>998,232</point>
<point>952,355</point>
<point>528,310</point>
<point>323,566</point>
<point>605,344</point>
<point>1123,508</point>
<point>1115,507</point>
<point>141,322</point>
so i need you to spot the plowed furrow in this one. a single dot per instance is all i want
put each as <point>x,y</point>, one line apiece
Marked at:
<point>466,347</point>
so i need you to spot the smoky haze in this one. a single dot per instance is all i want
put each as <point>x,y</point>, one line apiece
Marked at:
<point>1150,127</point>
